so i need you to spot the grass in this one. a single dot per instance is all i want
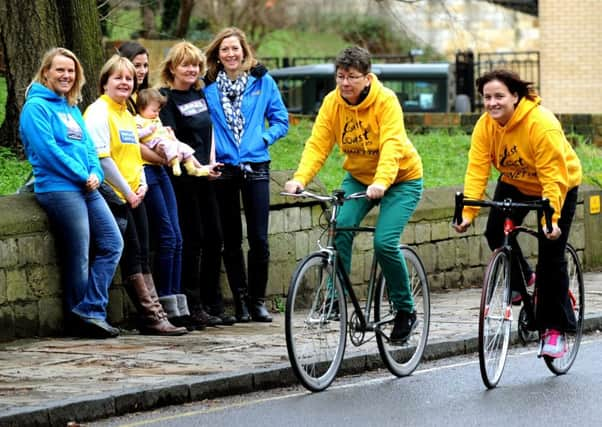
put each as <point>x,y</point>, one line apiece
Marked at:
<point>13,172</point>
<point>286,153</point>
<point>591,161</point>
<point>292,43</point>
<point>123,24</point>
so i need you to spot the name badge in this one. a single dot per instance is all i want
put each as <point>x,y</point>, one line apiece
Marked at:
<point>127,137</point>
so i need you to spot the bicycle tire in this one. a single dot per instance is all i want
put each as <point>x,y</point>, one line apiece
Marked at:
<point>315,336</point>
<point>403,360</point>
<point>495,318</point>
<point>561,365</point>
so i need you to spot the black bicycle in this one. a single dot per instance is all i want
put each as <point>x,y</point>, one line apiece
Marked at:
<point>316,320</point>
<point>495,313</point>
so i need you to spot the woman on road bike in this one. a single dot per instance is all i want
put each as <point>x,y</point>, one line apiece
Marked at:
<point>365,119</point>
<point>526,144</point>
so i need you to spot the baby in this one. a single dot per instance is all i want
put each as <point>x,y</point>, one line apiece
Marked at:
<point>161,139</point>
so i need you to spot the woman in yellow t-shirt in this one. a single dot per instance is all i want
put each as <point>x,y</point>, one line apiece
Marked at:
<point>113,130</point>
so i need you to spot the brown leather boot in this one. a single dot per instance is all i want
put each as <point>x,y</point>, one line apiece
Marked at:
<point>153,317</point>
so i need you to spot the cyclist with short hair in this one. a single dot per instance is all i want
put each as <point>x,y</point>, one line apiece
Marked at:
<point>365,120</point>
<point>526,144</point>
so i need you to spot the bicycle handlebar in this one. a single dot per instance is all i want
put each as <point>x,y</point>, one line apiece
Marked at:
<point>337,196</point>
<point>506,205</point>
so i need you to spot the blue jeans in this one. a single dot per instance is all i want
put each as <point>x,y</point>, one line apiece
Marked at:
<point>89,248</point>
<point>396,208</point>
<point>162,211</point>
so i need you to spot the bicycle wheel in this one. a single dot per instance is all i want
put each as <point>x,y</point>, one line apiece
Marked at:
<point>495,318</point>
<point>315,322</point>
<point>561,365</point>
<point>402,360</point>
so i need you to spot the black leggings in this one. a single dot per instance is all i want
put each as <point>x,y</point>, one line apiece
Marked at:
<point>133,224</point>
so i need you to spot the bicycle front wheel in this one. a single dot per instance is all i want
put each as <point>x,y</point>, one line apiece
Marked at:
<point>495,318</point>
<point>403,360</point>
<point>561,365</point>
<point>315,322</point>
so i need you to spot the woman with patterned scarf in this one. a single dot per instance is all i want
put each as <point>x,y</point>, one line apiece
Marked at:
<point>241,98</point>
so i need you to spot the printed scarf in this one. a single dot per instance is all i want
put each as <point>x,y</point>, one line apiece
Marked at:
<point>231,99</point>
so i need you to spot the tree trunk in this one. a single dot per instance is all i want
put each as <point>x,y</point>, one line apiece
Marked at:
<point>149,29</point>
<point>81,26</point>
<point>28,28</point>
<point>184,18</point>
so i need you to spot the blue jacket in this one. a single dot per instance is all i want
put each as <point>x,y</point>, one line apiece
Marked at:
<point>261,101</point>
<point>56,142</point>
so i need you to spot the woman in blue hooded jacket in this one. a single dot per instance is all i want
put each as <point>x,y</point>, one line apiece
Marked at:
<point>67,176</point>
<point>241,98</point>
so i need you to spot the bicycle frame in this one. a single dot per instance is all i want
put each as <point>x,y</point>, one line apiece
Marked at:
<point>506,206</point>
<point>363,314</point>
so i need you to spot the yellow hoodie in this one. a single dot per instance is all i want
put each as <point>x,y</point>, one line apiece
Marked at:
<point>371,135</point>
<point>531,153</point>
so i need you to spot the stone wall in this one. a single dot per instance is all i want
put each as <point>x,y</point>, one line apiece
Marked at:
<point>30,291</point>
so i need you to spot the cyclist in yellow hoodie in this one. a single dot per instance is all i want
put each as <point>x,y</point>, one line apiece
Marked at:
<point>526,144</point>
<point>365,120</point>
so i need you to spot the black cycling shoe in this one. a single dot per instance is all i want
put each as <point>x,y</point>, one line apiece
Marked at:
<point>404,324</point>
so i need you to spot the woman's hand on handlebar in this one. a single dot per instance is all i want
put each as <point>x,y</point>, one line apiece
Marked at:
<point>462,227</point>
<point>375,191</point>
<point>293,186</point>
<point>554,234</point>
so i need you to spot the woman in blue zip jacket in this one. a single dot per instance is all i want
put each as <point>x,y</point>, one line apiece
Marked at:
<point>241,98</point>
<point>67,176</point>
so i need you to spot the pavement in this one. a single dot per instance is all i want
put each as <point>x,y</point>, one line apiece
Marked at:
<point>52,381</point>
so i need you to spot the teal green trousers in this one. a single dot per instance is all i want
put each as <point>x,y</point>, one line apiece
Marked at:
<point>396,208</point>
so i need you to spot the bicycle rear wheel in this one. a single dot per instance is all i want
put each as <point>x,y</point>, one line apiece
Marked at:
<point>561,365</point>
<point>315,322</point>
<point>495,318</point>
<point>403,360</point>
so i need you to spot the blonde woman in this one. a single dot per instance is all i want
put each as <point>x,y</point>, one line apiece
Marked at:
<point>67,175</point>
<point>187,114</point>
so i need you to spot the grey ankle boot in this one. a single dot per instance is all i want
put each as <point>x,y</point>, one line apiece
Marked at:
<point>170,305</point>
<point>182,305</point>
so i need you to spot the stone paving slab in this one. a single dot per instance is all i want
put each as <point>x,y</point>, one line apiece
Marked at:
<point>49,381</point>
